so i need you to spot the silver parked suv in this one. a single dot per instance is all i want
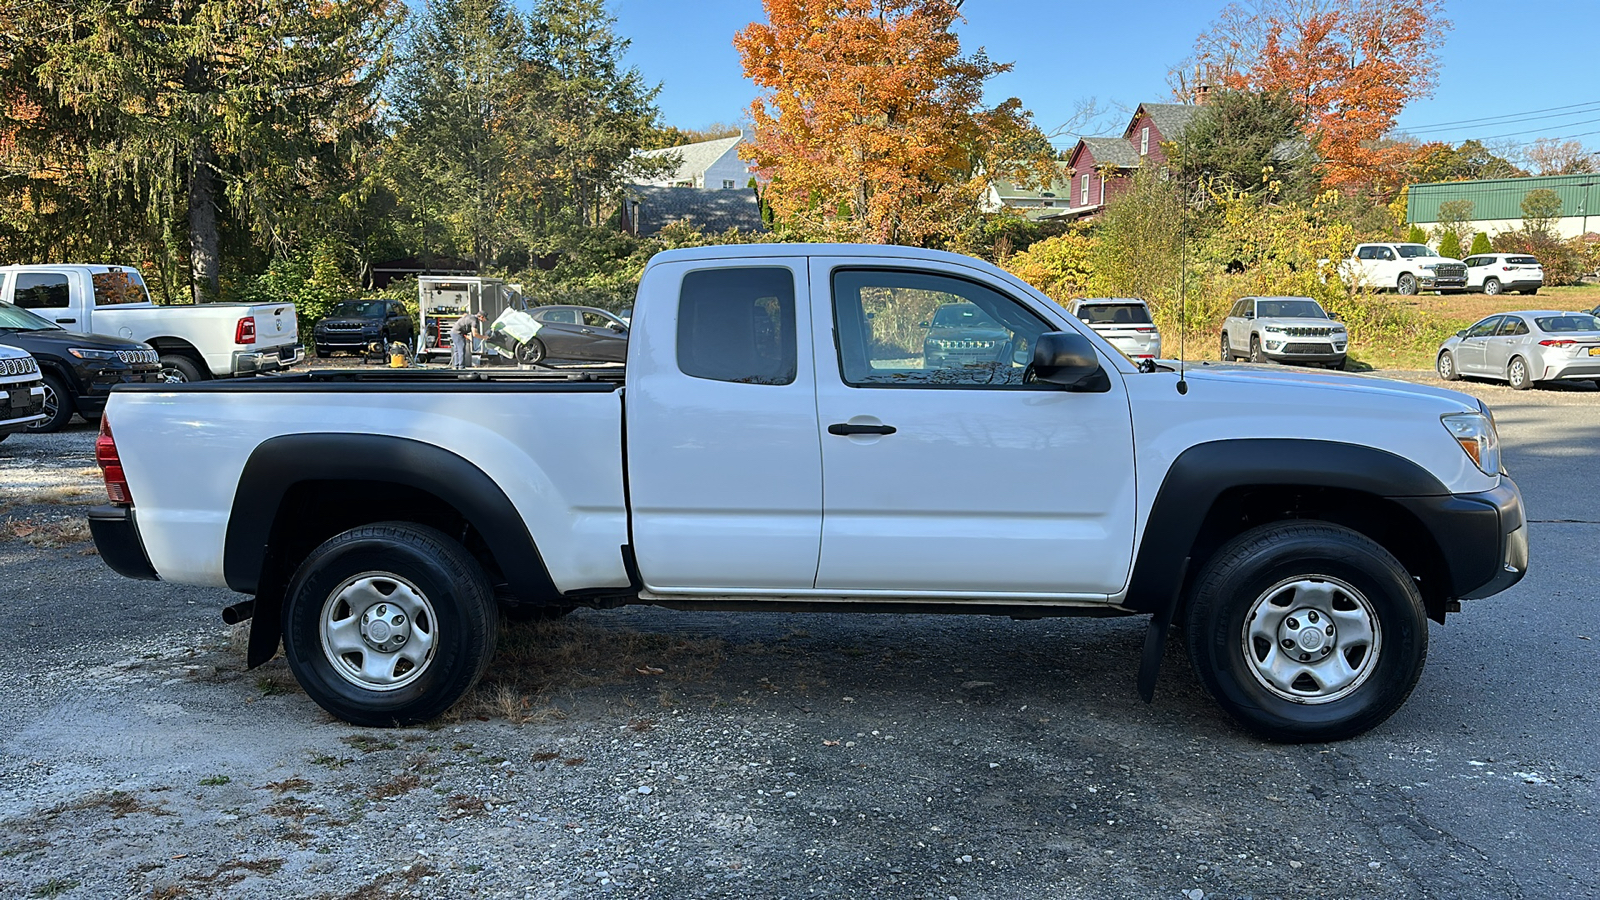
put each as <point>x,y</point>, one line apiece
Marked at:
<point>1294,330</point>
<point>1123,321</point>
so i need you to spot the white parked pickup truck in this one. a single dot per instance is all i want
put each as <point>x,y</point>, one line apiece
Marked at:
<point>779,440</point>
<point>196,342</point>
<point>1403,268</point>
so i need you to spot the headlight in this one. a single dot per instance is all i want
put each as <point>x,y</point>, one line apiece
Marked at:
<point>1430,266</point>
<point>93,354</point>
<point>1476,435</point>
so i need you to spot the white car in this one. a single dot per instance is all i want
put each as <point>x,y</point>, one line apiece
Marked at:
<point>21,391</point>
<point>1524,348</point>
<point>1498,273</point>
<point>1403,268</point>
<point>1289,330</point>
<point>786,444</point>
<point>1123,321</point>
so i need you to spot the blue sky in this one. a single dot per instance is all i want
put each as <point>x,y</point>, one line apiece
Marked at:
<point>1498,60</point>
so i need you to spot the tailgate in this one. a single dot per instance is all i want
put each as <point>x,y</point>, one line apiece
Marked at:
<point>275,323</point>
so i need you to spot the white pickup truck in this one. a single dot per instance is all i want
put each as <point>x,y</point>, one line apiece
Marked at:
<point>1403,268</point>
<point>778,440</point>
<point>196,341</point>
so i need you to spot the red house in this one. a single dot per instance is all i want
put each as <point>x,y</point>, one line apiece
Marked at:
<point>1101,165</point>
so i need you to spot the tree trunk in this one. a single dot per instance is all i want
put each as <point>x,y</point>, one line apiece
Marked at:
<point>205,258</point>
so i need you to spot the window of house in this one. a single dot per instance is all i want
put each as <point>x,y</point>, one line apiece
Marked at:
<point>42,290</point>
<point>727,184</point>
<point>1083,190</point>
<point>904,328</point>
<point>1144,141</point>
<point>738,325</point>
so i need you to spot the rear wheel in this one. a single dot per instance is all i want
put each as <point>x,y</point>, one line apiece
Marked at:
<point>1491,286</point>
<point>1446,366</point>
<point>178,369</point>
<point>1531,291</point>
<point>1307,631</point>
<point>1517,374</point>
<point>389,624</point>
<point>58,406</point>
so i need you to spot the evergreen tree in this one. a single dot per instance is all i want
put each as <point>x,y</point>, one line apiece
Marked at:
<point>1415,235</point>
<point>1450,245</point>
<point>1248,142</point>
<point>1480,245</point>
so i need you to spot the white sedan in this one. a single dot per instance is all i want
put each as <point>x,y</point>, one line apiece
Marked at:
<point>1524,348</point>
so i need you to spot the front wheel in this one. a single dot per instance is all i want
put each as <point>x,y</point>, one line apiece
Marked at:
<point>58,407</point>
<point>1447,366</point>
<point>1227,349</point>
<point>532,353</point>
<point>1407,285</point>
<point>1517,374</point>
<point>389,624</point>
<point>1256,356</point>
<point>1307,631</point>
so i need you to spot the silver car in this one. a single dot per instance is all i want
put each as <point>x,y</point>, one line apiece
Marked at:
<point>1122,321</point>
<point>1525,348</point>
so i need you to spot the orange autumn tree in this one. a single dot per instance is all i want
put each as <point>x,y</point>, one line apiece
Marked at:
<point>870,125</point>
<point>1350,65</point>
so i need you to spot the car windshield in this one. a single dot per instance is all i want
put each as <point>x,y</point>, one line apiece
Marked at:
<point>1569,322</point>
<point>1114,313</point>
<point>15,318</point>
<point>1412,251</point>
<point>1291,308</point>
<point>962,315</point>
<point>359,309</point>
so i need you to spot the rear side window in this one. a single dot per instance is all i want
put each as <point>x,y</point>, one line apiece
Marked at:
<point>1115,314</point>
<point>118,286</point>
<point>738,325</point>
<point>1513,326</point>
<point>42,290</point>
<point>560,317</point>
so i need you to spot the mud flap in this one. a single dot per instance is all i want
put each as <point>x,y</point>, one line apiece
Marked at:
<point>1155,638</point>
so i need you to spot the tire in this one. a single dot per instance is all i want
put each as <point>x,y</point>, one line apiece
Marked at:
<point>532,353</point>
<point>1445,365</point>
<point>1256,356</point>
<point>1517,374</point>
<point>179,369</point>
<point>1491,286</point>
<point>1407,285</point>
<point>58,407</point>
<point>323,352</point>
<point>359,578</point>
<point>1531,291</point>
<point>1227,349</point>
<point>1286,584</point>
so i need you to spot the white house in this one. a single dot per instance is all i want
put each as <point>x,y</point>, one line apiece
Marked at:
<point>713,165</point>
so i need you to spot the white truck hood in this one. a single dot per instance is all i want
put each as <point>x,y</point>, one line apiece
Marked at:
<point>1342,381</point>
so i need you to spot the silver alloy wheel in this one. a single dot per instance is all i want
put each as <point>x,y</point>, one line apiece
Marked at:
<point>1311,639</point>
<point>378,631</point>
<point>1491,286</point>
<point>1407,285</point>
<point>171,375</point>
<point>52,405</point>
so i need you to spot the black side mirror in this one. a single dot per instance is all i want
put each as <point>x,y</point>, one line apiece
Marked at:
<point>1068,359</point>
<point>617,328</point>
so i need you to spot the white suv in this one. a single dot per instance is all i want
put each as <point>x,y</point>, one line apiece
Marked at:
<point>1124,322</point>
<point>1497,273</point>
<point>1294,330</point>
<point>21,391</point>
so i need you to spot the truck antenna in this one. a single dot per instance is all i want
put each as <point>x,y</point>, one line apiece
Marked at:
<point>1183,272</point>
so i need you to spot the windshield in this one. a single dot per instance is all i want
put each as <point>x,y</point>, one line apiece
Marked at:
<point>1569,322</point>
<point>359,309</point>
<point>962,315</point>
<point>1114,313</point>
<point>1292,308</point>
<point>14,318</point>
<point>1412,251</point>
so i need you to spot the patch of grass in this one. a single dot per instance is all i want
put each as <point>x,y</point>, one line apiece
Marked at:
<point>48,533</point>
<point>394,787</point>
<point>368,744</point>
<point>55,887</point>
<point>331,761</point>
<point>287,785</point>
<point>388,884</point>
<point>63,495</point>
<point>272,686</point>
<point>292,808</point>
<point>463,805</point>
<point>215,780</point>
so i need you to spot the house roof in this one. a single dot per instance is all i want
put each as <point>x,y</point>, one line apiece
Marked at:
<point>1011,190</point>
<point>1110,151</point>
<point>696,157</point>
<point>709,210</point>
<point>1169,118</point>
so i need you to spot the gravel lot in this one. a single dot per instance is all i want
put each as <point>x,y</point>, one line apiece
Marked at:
<point>649,753</point>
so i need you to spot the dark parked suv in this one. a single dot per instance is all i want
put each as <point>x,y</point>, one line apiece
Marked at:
<point>962,335</point>
<point>79,369</point>
<point>354,324</point>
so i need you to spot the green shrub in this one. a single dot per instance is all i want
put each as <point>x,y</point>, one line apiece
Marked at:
<point>1562,260</point>
<point>1480,245</point>
<point>1450,246</point>
<point>1415,235</point>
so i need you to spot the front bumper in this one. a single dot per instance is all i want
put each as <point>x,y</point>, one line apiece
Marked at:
<point>1443,283</point>
<point>116,536</point>
<point>19,417</point>
<point>99,383</point>
<point>253,362</point>
<point>1482,537</point>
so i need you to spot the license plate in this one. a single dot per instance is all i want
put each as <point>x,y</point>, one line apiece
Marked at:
<point>1594,351</point>
<point>20,397</point>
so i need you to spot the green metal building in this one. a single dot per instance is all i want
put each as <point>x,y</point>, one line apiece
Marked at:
<point>1497,203</point>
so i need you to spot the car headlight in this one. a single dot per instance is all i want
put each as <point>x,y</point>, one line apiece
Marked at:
<point>1476,434</point>
<point>82,353</point>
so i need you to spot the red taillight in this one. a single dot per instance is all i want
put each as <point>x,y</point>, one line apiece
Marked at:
<point>105,455</point>
<point>1556,343</point>
<point>1145,330</point>
<point>245,332</point>
<point>1505,268</point>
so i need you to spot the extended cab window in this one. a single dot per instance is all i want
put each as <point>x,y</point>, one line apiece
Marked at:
<point>738,325</point>
<point>921,329</point>
<point>118,286</point>
<point>42,290</point>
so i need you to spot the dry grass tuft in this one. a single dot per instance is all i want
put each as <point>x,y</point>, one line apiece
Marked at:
<point>462,805</point>
<point>51,533</point>
<point>61,495</point>
<point>394,787</point>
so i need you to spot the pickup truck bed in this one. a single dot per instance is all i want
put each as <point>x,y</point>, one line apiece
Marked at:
<point>790,433</point>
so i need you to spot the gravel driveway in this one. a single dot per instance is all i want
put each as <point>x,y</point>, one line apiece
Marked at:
<point>649,753</point>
